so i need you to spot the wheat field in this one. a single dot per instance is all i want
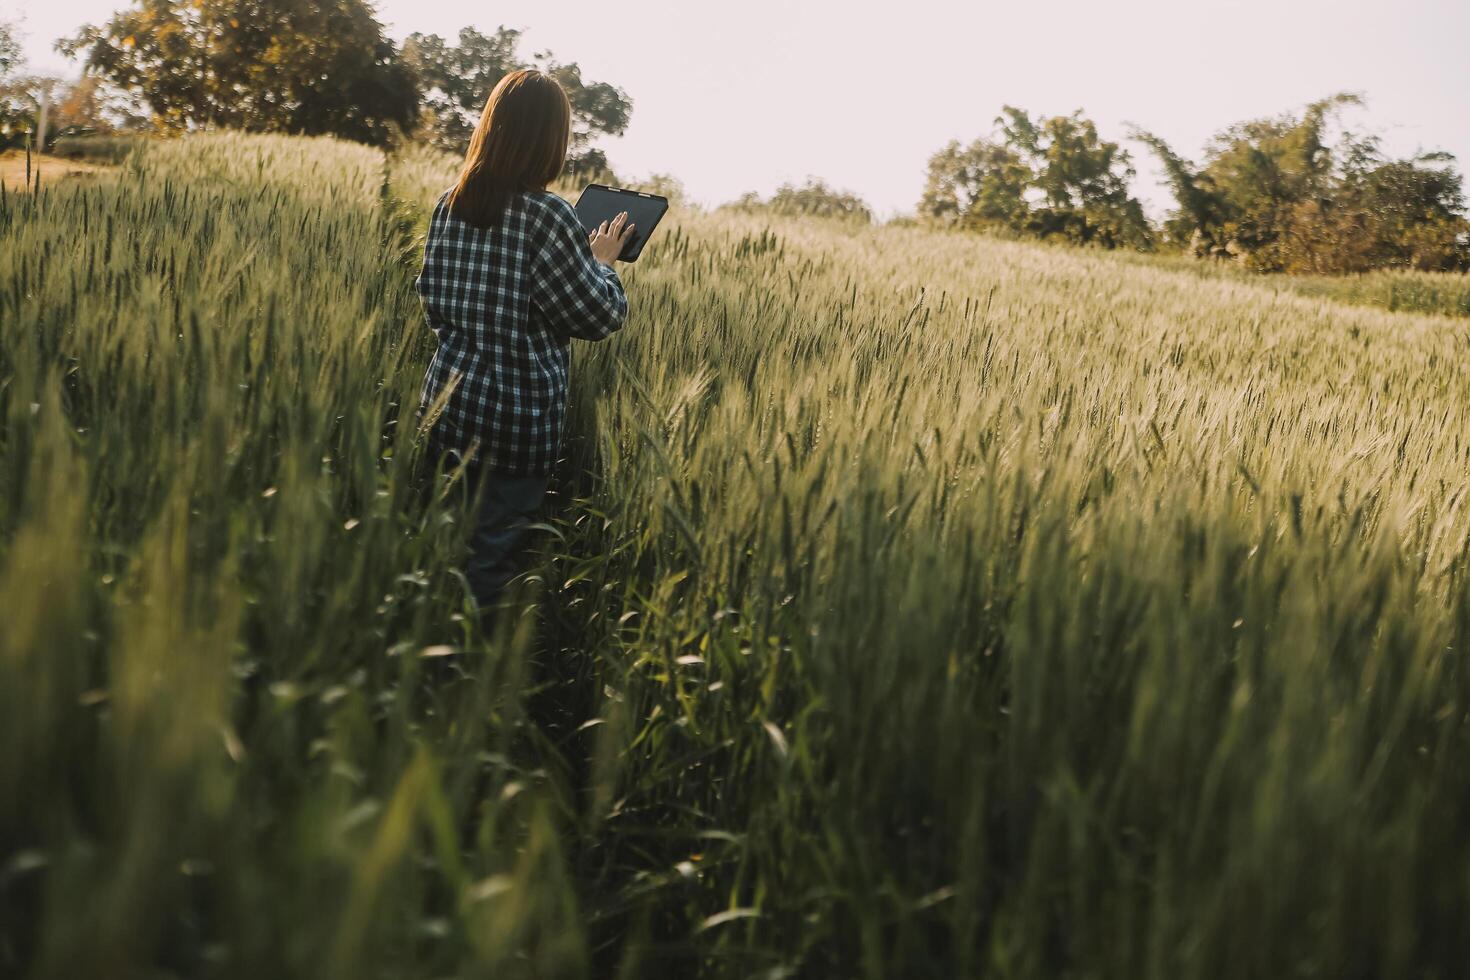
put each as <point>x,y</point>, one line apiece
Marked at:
<point>913,605</point>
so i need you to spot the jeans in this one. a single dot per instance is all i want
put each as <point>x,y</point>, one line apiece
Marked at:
<point>498,544</point>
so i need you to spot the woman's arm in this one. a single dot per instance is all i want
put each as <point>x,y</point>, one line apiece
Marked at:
<point>579,296</point>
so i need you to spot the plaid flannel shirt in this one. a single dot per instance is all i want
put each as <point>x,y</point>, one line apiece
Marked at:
<point>505,302</point>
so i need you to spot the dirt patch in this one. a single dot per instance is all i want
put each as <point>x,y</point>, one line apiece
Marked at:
<point>52,169</point>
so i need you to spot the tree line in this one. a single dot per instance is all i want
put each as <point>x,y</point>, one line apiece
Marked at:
<point>1292,193</point>
<point>304,67</point>
<point>1295,193</point>
<point>1279,194</point>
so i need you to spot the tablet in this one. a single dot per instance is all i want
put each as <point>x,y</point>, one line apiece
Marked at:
<point>600,203</point>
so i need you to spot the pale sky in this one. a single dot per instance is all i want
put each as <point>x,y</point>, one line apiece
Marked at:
<point>746,94</point>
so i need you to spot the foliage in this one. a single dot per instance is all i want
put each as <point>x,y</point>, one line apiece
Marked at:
<point>10,53</point>
<point>1280,196</point>
<point>457,80</point>
<point>89,105</point>
<point>920,605</point>
<point>21,96</point>
<point>1051,178</point>
<point>813,198</point>
<point>293,66</point>
<point>982,185</point>
<point>14,120</point>
<point>598,108</point>
<point>590,165</point>
<point>75,107</point>
<point>665,185</point>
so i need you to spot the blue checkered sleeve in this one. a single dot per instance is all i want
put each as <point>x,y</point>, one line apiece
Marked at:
<point>579,296</point>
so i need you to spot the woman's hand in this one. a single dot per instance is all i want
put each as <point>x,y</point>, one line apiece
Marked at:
<point>609,238</point>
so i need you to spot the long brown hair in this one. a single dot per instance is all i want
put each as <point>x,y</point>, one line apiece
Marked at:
<point>519,145</point>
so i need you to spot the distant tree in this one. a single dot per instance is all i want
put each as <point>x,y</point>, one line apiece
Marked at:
<point>15,117</point>
<point>1083,180</point>
<point>90,105</point>
<point>21,97</point>
<point>457,79</point>
<point>589,165</point>
<point>1279,196</point>
<point>75,106</point>
<point>314,67</point>
<point>980,185</point>
<point>665,185</point>
<point>598,109</point>
<point>10,56</point>
<point>814,197</point>
<point>1413,210</point>
<point>1200,219</point>
<point>1263,169</point>
<point>1049,178</point>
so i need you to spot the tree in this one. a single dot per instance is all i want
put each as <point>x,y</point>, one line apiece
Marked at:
<point>597,109</point>
<point>1200,219</point>
<point>1083,180</point>
<point>1264,169</point>
<point>1049,178</point>
<point>1415,210</point>
<point>457,80</point>
<point>814,198</point>
<point>15,124</point>
<point>591,165</point>
<point>313,67</point>
<point>90,106</point>
<point>982,185</point>
<point>1279,196</point>
<point>668,186</point>
<point>80,106</point>
<point>10,57</point>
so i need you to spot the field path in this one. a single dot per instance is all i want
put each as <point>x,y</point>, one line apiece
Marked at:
<point>13,168</point>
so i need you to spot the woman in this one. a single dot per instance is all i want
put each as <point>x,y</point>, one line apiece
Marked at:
<point>509,279</point>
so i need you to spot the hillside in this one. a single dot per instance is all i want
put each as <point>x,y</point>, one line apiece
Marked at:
<point>919,605</point>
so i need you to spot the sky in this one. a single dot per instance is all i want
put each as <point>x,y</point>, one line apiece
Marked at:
<point>745,95</point>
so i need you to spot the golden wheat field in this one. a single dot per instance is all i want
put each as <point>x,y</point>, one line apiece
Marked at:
<point>914,604</point>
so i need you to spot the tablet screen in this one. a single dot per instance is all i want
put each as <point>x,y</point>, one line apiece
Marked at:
<point>600,203</point>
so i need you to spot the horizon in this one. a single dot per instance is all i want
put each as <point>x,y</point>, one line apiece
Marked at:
<point>1417,89</point>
